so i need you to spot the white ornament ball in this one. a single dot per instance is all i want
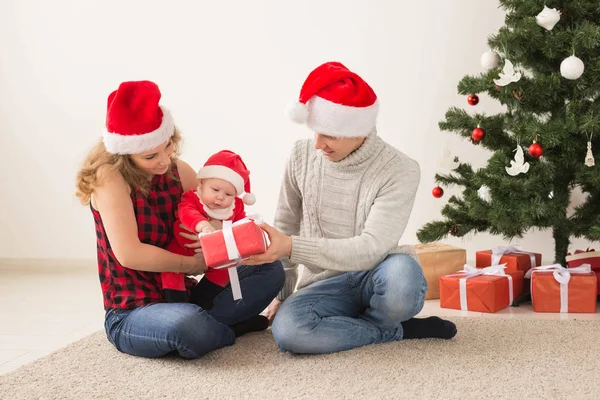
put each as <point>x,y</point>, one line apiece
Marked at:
<point>571,68</point>
<point>490,59</point>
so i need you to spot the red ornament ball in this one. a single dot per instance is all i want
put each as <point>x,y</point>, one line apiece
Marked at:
<point>437,192</point>
<point>536,150</point>
<point>473,99</point>
<point>478,134</point>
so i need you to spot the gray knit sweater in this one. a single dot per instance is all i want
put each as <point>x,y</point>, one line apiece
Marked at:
<point>346,215</point>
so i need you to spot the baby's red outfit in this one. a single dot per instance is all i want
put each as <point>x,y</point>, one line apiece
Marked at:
<point>190,212</point>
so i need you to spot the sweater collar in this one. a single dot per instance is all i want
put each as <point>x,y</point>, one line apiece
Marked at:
<point>358,157</point>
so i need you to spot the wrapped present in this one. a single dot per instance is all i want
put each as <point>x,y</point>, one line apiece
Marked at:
<point>513,256</point>
<point>589,256</point>
<point>555,288</point>
<point>437,260</point>
<point>481,289</point>
<point>230,246</point>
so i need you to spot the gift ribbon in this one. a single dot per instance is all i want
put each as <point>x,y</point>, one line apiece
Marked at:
<point>498,252</point>
<point>469,271</point>
<point>562,275</point>
<point>233,252</point>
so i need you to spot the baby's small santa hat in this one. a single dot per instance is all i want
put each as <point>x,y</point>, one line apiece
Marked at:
<point>229,166</point>
<point>337,102</point>
<point>135,122</point>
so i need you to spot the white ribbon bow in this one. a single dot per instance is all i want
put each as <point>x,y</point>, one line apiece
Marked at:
<point>233,252</point>
<point>562,275</point>
<point>469,271</point>
<point>498,252</point>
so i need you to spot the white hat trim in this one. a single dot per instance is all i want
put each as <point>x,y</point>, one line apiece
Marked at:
<point>116,143</point>
<point>225,173</point>
<point>337,120</point>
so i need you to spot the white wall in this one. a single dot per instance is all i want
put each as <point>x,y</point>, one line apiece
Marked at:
<point>226,70</point>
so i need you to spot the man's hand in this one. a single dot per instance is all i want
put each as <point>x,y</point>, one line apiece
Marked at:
<point>272,309</point>
<point>281,246</point>
<point>217,224</point>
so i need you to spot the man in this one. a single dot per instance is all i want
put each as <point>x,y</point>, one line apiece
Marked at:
<point>344,203</point>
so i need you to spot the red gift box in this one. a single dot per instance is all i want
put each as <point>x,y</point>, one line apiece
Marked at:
<point>511,256</point>
<point>589,256</point>
<point>555,288</point>
<point>482,292</point>
<point>230,246</point>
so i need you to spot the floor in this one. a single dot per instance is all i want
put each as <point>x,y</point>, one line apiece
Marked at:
<point>43,310</point>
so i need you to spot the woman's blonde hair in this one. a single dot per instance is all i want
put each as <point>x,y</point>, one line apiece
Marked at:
<point>88,179</point>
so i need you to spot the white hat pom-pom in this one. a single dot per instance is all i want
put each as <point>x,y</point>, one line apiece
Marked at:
<point>249,199</point>
<point>297,112</point>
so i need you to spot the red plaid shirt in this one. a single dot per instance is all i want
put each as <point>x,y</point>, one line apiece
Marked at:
<point>126,288</point>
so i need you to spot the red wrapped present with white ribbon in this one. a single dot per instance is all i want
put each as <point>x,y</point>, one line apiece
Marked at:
<point>230,246</point>
<point>589,256</point>
<point>555,288</point>
<point>480,289</point>
<point>514,257</point>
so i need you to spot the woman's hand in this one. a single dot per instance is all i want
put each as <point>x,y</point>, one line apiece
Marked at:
<point>191,236</point>
<point>195,264</point>
<point>272,309</point>
<point>281,246</point>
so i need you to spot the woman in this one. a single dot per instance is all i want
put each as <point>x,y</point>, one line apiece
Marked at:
<point>133,181</point>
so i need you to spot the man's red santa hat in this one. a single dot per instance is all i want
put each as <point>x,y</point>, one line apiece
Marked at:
<point>135,122</point>
<point>337,102</point>
<point>229,166</point>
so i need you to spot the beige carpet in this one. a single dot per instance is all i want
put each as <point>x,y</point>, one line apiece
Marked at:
<point>490,358</point>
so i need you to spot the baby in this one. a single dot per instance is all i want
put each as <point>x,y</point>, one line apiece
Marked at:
<point>223,178</point>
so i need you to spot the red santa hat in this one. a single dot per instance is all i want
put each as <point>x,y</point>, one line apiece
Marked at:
<point>229,166</point>
<point>135,122</point>
<point>335,101</point>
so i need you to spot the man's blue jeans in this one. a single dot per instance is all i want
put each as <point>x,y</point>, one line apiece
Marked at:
<point>352,309</point>
<point>158,329</point>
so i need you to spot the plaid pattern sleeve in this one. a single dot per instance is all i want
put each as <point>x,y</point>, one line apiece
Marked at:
<point>125,288</point>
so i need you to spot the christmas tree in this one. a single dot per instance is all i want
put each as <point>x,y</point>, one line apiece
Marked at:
<point>544,67</point>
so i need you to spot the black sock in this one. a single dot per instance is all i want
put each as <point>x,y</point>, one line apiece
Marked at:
<point>204,293</point>
<point>175,296</point>
<point>252,324</point>
<point>432,327</point>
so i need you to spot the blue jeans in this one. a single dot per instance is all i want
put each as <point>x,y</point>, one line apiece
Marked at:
<point>159,329</point>
<point>352,309</point>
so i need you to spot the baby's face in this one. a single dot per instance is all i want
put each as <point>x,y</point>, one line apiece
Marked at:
<point>216,193</point>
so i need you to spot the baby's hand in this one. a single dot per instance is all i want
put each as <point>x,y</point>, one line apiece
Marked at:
<point>204,227</point>
<point>208,229</point>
